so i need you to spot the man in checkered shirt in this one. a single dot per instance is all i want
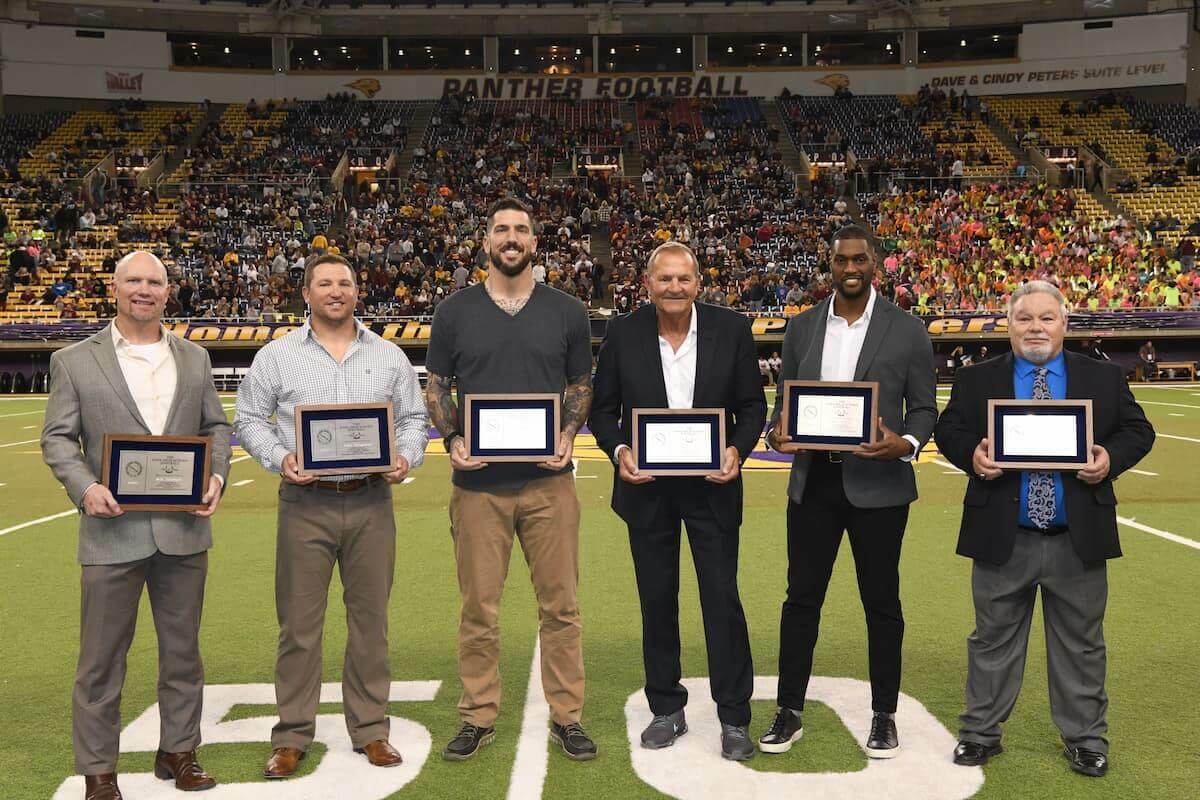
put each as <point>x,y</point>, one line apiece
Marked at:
<point>343,519</point>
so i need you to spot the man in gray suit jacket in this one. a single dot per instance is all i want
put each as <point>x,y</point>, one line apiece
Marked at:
<point>133,377</point>
<point>854,335</point>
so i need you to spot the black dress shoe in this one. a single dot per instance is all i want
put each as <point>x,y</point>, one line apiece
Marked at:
<point>1092,763</point>
<point>883,742</point>
<point>974,754</point>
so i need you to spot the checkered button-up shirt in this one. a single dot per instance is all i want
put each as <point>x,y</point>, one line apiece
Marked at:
<point>297,370</point>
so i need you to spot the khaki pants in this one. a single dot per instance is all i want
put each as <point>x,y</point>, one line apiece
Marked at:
<point>318,528</point>
<point>544,515</point>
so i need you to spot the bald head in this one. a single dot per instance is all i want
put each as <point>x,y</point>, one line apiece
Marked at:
<point>140,258</point>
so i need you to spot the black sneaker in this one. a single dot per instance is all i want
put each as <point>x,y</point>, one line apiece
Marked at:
<point>883,741</point>
<point>735,743</point>
<point>574,742</point>
<point>467,742</point>
<point>785,729</point>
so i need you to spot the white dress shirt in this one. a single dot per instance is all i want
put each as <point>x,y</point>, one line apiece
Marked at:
<point>679,367</point>
<point>679,371</point>
<point>843,346</point>
<point>150,374</point>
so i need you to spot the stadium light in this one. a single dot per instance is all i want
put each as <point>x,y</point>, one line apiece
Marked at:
<point>962,43</point>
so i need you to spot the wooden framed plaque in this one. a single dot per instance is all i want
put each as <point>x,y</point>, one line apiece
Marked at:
<point>830,415</point>
<point>512,427</point>
<point>1040,434</point>
<point>157,473</point>
<point>345,438</point>
<point>678,441</point>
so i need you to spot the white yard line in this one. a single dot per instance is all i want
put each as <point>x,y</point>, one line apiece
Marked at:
<point>1144,472</point>
<point>38,521</point>
<point>1173,414</point>
<point>1179,438</point>
<point>240,458</point>
<point>529,767</point>
<point>14,444</point>
<point>21,414</point>
<point>947,465</point>
<point>1172,405</point>
<point>245,482</point>
<point>407,481</point>
<point>1170,537</point>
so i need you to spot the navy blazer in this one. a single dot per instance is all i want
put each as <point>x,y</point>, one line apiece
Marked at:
<point>991,508</point>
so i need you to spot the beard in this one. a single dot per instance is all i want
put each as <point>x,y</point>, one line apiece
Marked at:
<point>497,261</point>
<point>1039,354</point>
<point>864,286</point>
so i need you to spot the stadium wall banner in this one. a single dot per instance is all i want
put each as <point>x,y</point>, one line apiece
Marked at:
<point>50,61</point>
<point>416,331</point>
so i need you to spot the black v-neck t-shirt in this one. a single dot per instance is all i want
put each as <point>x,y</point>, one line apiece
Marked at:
<point>487,351</point>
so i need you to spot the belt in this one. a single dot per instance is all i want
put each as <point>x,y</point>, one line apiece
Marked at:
<point>1053,530</point>
<point>341,487</point>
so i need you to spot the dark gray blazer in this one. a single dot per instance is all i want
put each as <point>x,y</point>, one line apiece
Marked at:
<point>89,398</point>
<point>898,354</point>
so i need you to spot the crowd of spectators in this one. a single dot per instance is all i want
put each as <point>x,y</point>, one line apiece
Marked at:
<point>970,250</point>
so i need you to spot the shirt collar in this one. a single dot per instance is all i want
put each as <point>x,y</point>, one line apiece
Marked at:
<point>119,339</point>
<point>359,329</point>
<point>866,312</point>
<point>1056,366</point>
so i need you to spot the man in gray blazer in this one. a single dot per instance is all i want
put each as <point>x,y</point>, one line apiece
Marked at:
<point>134,377</point>
<point>853,335</point>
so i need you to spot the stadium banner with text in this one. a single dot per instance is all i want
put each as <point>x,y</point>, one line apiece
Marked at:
<point>50,61</point>
<point>415,332</point>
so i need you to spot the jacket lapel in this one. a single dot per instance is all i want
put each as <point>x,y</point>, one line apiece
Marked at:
<point>706,346</point>
<point>106,356</point>
<point>182,382</point>
<point>877,330</point>
<point>649,336</point>
<point>813,349</point>
<point>1002,378</point>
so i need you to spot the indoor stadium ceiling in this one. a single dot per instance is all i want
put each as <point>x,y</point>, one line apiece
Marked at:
<point>513,17</point>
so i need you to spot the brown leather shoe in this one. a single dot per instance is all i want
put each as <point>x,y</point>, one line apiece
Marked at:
<point>188,774</point>
<point>101,787</point>
<point>381,754</point>
<point>283,762</point>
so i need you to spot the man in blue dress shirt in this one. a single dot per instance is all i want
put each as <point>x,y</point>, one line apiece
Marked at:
<point>1029,530</point>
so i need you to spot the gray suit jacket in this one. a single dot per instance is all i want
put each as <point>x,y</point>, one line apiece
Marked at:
<point>898,354</point>
<point>89,398</point>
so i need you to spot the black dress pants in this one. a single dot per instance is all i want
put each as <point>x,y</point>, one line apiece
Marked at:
<point>656,563</point>
<point>814,532</point>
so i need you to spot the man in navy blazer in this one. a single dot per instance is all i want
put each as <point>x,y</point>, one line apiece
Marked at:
<point>677,353</point>
<point>1028,530</point>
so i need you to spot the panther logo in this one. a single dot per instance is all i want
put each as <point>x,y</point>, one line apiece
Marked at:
<point>368,86</point>
<point>835,81</point>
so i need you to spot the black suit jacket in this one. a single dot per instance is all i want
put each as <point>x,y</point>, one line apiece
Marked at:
<point>629,375</point>
<point>991,508</point>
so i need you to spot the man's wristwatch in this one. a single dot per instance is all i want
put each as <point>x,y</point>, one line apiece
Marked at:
<point>449,438</point>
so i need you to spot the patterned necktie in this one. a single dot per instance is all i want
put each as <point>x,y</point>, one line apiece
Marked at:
<point>1039,499</point>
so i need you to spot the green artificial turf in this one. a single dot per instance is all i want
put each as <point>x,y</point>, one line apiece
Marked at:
<point>1151,629</point>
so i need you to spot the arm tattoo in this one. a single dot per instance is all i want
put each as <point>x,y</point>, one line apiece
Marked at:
<point>439,402</point>
<point>577,403</point>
